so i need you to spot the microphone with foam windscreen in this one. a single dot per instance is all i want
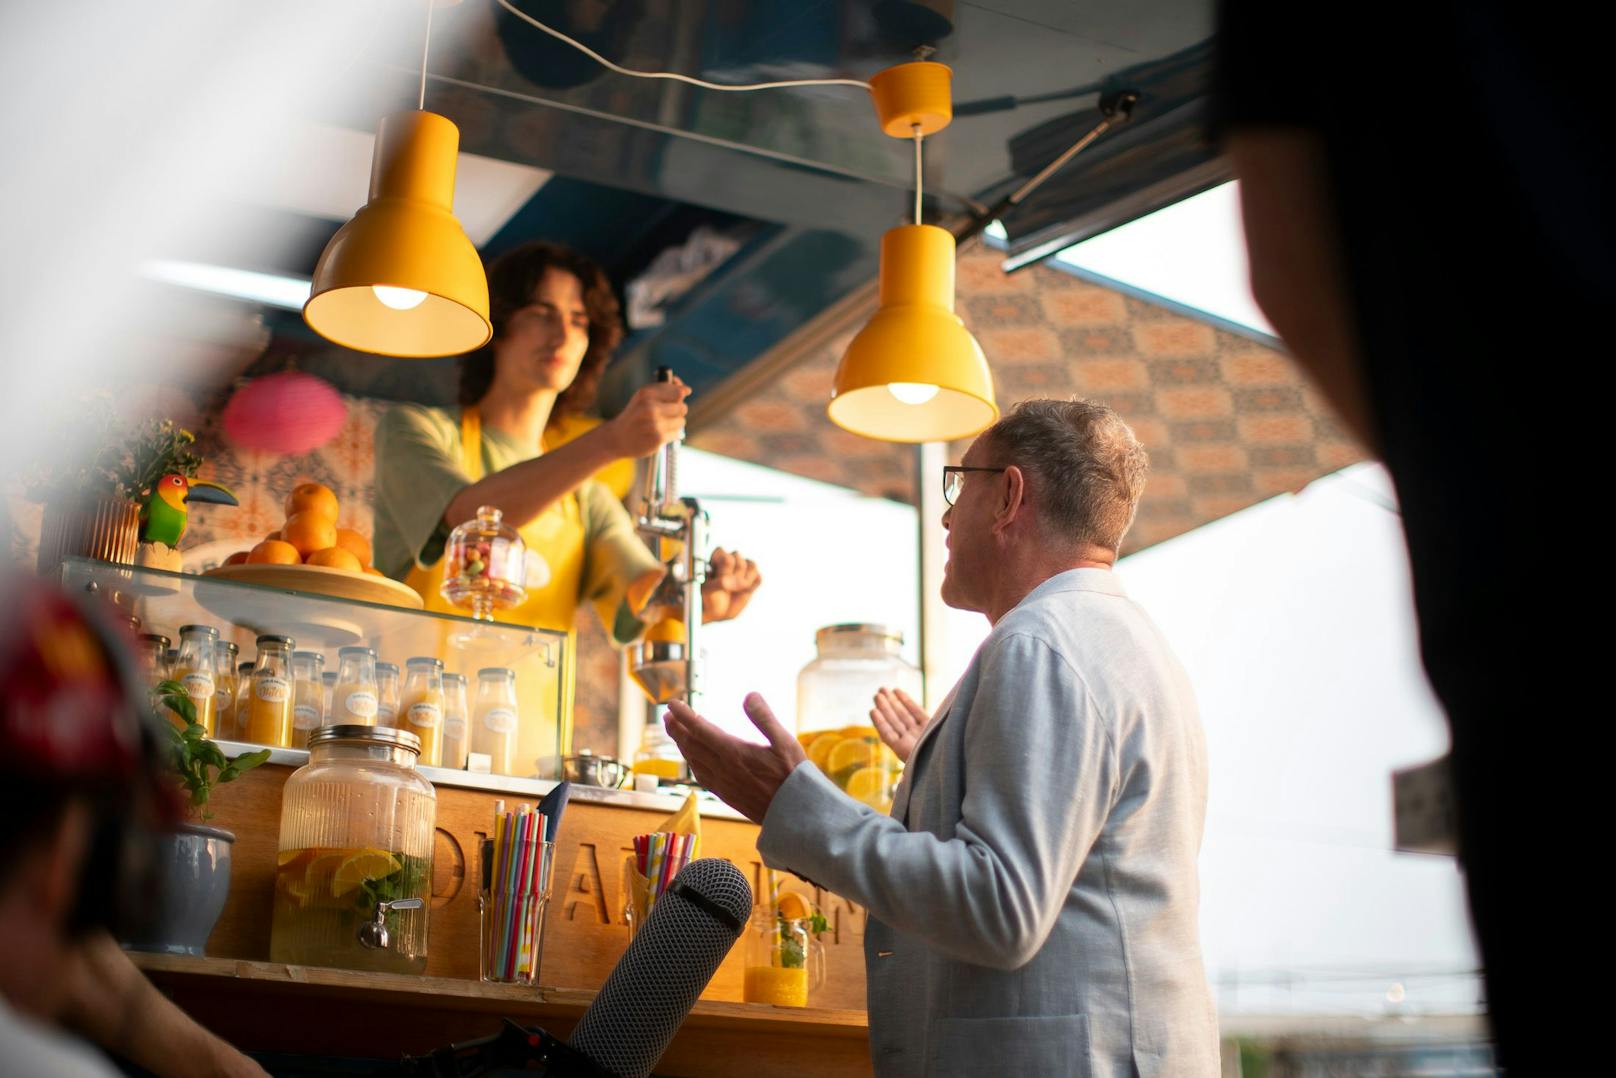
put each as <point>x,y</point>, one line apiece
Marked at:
<point>690,929</point>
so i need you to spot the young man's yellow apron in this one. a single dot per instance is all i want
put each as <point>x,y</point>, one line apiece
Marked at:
<point>555,556</point>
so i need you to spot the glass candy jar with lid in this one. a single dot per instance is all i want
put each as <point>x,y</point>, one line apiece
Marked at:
<point>835,693</point>
<point>485,565</point>
<point>355,864</point>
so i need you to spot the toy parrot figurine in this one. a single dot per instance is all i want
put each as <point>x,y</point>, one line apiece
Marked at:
<point>162,518</point>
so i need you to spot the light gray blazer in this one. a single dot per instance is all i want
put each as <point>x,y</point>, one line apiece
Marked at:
<point>1032,898</point>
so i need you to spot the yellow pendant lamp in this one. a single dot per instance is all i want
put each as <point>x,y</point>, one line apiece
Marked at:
<point>914,373</point>
<point>403,278</point>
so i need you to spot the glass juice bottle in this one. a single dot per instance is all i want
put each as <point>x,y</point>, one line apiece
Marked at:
<point>493,724</point>
<point>422,709</point>
<point>354,701</point>
<point>152,658</point>
<point>355,837</point>
<point>328,692</point>
<point>194,668</point>
<point>267,716</point>
<point>225,686</point>
<point>308,703</point>
<point>387,694</point>
<point>454,722</point>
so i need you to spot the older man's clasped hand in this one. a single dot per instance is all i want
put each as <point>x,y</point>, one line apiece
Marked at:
<point>745,774</point>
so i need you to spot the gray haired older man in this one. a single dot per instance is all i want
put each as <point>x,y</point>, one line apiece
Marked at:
<point>1033,894</point>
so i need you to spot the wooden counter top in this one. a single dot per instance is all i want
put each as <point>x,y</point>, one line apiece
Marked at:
<point>455,994</point>
<point>309,1010</point>
<point>265,1006</point>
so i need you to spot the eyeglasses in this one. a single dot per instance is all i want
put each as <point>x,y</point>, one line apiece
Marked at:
<point>954,478</point>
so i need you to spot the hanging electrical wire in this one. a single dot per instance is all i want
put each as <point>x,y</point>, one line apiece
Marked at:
<point>673,75</point>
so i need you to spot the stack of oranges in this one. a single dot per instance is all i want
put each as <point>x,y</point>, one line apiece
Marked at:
<point>310,536</point>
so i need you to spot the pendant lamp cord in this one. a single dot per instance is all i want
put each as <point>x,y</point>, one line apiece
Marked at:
<point>675,76</point>
<point>426,47</point>
<point>918,172</point>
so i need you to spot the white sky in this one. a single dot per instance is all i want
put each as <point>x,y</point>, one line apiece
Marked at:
<point>1191,253</point>
<point>827,555</point>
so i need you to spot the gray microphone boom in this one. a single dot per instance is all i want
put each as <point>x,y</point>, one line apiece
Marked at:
<point>691,928</point>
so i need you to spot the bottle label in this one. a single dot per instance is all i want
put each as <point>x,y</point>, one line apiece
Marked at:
<point>305,717</point>
<point>386,715</point>
<point>272,690</point>
<point>501,720</point>
<point>454,729</point>
<point>198,686</point>
<point>361,705</point>
<point>426,716</point>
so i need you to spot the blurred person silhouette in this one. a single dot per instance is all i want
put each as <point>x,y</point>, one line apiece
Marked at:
<point>1426,211</point>
<point>83,795</point>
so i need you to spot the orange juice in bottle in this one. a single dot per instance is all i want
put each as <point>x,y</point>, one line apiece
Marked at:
<point>494,723</point>
<point>308,696</point>
<point>354,701</point>
<point>194,669</point>
<point>421,712</point>
<point>266,716</point>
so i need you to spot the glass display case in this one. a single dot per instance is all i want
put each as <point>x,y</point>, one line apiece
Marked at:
<point>241,612</point>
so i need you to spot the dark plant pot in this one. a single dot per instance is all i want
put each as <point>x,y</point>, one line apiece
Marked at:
<point>194,865</point>
<point>103,528</point>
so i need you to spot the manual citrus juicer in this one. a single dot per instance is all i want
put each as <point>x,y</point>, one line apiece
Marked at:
<point>666,663</point>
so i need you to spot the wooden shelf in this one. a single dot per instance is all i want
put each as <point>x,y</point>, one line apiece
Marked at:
<point>450,993</point>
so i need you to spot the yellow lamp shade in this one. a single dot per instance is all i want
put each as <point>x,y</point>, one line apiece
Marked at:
<point>914,373</point>
<point>402,278</point>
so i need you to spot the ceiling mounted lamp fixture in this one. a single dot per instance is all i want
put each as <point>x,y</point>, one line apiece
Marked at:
<point>403,278</point>
<point>914,373</point>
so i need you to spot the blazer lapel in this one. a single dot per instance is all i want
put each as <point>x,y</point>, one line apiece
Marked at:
<point>900,797</point>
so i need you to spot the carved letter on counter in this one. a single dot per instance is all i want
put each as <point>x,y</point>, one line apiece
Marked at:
<point>586,887</point>
<point>448,868</point>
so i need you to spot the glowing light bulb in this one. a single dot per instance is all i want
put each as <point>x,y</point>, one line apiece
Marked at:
<point>400,299</point>
<point>912,392</point>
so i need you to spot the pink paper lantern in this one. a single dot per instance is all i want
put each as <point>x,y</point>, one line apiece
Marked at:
<point>288,413</point>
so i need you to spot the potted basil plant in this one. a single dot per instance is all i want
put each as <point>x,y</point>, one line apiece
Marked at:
<point>194,857</point>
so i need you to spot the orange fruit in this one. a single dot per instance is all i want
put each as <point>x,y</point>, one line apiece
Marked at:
<point>273,552</point>
<point>310,532</point>
<point>276,534</point>
<point>334,558</point>
<point>793,907</point>
<point>355,544</point>
<point>237,558</point>
<point>315,497</point>
<point>373,571</point>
